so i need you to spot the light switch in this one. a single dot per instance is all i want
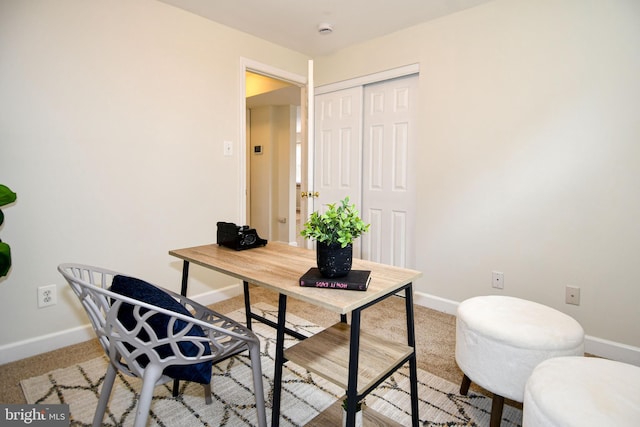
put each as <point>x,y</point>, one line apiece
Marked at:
<point>228,148</point>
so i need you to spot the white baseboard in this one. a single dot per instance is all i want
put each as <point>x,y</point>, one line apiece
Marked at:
<point>213,297</point>
<point>42,344</point>
<point>612,350</point>
<point>31,347</point>
<point>435,303</point>
<point>593,345</point>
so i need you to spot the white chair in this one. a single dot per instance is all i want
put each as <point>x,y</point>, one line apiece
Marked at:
<point>157,335</point>
<point>583,392</point>
<point>501,339</point>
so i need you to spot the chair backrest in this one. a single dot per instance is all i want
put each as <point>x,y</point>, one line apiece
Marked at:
<point>134,344</point>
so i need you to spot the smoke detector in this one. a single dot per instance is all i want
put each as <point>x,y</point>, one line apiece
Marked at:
<point>325,28</point>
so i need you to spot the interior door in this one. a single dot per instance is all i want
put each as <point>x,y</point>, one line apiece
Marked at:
<point>338,149</point>
<point>388,185</point>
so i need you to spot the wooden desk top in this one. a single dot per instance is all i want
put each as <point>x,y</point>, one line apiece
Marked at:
<point>279,266</point>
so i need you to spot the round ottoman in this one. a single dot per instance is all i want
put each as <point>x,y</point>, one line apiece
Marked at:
<point>500,339</point>
<point>582,392</point>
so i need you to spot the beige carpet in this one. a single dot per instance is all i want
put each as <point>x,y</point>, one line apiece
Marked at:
<point>304,394</point>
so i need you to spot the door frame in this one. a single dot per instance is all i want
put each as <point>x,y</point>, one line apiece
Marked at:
<point>380,76</point>
<point>270,71</point>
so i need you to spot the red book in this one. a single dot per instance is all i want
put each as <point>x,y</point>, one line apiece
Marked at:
<point>356,280</point>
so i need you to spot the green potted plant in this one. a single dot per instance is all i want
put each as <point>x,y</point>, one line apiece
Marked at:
<point>6,197</point>
<point>334,231</point>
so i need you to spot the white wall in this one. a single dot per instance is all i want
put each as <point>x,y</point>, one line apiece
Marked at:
<point>285,170</point>
<point>529,152</point>
<point>112,121</point>
<point>260,172</point>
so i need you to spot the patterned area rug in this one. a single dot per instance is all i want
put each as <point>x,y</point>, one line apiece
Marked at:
<point>304,395</point>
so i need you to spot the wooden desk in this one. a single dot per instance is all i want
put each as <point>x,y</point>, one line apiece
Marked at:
<point>341,354</point>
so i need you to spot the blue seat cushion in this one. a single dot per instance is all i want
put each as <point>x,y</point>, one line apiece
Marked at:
<point>145,292</point>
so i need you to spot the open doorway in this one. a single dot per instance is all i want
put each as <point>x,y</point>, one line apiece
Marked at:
<point>274,146</point>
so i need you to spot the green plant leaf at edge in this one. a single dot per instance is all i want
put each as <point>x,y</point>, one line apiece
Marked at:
<point>5,259</point>
<point>6,195</point>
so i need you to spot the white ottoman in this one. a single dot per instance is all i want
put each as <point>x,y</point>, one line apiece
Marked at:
<point>582,392</point>
<point>500,340</point>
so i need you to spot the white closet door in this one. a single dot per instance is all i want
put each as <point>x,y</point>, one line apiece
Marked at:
<point>388,191</point>
<point>338,149</point>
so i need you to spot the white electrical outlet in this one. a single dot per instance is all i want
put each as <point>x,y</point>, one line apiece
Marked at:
<point>572,295</point>
<point>497,279</point>
<point>47,295</point>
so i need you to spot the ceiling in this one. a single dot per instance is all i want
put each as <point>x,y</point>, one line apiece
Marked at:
<point>294,23</point>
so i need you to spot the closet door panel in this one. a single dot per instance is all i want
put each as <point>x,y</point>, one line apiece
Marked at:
<point>388,187</point>
<point>338,149</point>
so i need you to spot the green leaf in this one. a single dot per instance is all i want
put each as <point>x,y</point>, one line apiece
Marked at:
<point>6,195</point>
<point>5,259</point>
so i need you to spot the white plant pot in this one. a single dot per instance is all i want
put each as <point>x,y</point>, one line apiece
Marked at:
<point>358,418</point>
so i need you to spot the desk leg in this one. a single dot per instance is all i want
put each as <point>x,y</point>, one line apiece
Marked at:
<point>277,376</point>
<point>185,278</point>
<point>247,303</point>
<point>183,292</point>
<point>352,385</point>
<point>413,364</point>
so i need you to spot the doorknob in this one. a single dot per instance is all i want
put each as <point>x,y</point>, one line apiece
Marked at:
<point>309,194</point>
